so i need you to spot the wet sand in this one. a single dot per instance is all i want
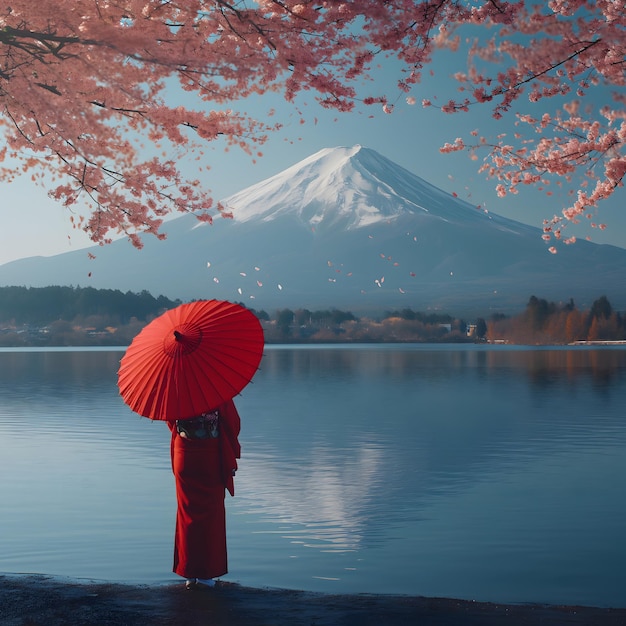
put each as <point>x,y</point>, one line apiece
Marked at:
<point>37,600</point>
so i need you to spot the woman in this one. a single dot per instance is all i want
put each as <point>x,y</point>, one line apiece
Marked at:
<point>204,452</point>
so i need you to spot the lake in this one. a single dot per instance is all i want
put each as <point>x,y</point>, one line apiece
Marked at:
<point>492,473</point>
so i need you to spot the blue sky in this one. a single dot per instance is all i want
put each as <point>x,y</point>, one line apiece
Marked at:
<point>32,224</point>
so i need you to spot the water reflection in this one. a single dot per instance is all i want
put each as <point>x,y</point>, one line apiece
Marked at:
<point>328,502</point>
<point>393,431</point>
<point>451,470</point>
<point>434,362</point>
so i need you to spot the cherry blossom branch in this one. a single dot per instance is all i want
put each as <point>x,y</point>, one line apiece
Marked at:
<point>78,78</point>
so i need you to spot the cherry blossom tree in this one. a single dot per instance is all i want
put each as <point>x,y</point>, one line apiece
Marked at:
<point>572,52</point>
<point>90,90</point>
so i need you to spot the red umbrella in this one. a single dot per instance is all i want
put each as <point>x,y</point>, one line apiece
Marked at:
<point>190,360</point>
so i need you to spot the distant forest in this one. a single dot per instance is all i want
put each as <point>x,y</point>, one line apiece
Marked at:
<point>75,316</point>
<point>547,323</point>
<point>42,305</point>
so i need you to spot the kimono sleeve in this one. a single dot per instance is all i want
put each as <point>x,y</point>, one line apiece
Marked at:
<point>230,426</point>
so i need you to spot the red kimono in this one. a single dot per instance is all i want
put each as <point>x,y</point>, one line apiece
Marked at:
<point>203,469</point>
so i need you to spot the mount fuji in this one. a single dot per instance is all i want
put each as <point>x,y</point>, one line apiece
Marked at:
<point>346,228</point>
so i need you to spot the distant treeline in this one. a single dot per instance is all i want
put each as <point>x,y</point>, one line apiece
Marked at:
<point>66,316</point>
<point>42,305</point>
<point>58,316</point>
<point>542,322</point>
<point>336,326</point>
<point>545,322</point>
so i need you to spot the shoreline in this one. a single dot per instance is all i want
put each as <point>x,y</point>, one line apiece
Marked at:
<point>40,600</point>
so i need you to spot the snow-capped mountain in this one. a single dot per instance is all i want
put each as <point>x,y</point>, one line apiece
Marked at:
<point>348,188</point>
<point>345,228</point>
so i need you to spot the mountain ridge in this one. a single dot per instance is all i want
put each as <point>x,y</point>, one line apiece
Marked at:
<point>351,182</point>
<point>348,228</point>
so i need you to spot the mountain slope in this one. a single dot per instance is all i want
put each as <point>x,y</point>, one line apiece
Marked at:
<point>352,188</point>
<point>348,228</point>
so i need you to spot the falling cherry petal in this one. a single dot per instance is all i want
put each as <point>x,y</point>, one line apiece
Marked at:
<point>259,283</point>
<point>280,286</point>
<point>411,273</point>
<point>258,269</point>
<point>208,263</point>
<point>216,280</point>
<point>239,291</point>
<point>401,290</point>
<point>242,274</point>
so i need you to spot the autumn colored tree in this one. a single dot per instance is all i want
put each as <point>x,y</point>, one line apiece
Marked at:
<point>603,322</point>
<point>603,329</point>
<point>545,322</point>
<point>601,308</point>
<point>574,326</point>
<point>90,90</point>
<point>537,312</point>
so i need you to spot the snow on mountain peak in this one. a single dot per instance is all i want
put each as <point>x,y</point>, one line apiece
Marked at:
<point>349,187</point>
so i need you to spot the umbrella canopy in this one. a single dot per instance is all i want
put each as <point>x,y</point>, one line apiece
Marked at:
<point>191,359</point>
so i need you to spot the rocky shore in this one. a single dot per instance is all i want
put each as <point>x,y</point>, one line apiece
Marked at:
<point>37,600</point>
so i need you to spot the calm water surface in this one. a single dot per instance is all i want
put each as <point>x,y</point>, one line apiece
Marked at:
<point>488,473</point>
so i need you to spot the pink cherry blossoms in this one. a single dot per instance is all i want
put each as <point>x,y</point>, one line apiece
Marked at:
<point>570,51</point>
<point>88,89</point>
